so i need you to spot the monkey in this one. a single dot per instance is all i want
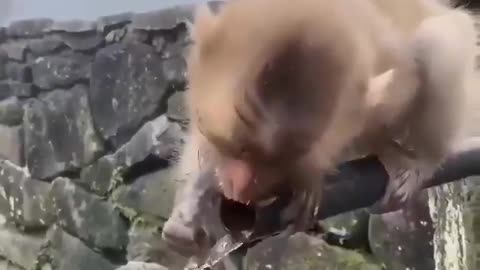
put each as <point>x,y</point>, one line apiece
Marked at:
<point>279,93</point>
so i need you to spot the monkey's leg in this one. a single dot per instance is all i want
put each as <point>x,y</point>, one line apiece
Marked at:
<point>445,66</point>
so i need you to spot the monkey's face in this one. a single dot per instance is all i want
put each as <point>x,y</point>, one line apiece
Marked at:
<point>250,170</point>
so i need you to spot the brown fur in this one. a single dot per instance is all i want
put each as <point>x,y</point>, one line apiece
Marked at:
<point>280,90</point>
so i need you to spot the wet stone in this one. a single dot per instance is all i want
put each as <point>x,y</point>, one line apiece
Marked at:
<point>127,86</point>
<point>59,134</point>
<point>88,217</point>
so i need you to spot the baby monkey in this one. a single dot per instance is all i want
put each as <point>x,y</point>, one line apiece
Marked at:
<point>281,92</point>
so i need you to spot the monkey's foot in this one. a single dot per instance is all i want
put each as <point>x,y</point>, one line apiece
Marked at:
<point>403,185</point>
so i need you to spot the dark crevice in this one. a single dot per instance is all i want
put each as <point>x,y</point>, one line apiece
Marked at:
<point>149,165</point>
<point>70,174</point>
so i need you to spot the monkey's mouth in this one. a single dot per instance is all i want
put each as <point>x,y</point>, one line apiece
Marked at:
<point>237,216</point>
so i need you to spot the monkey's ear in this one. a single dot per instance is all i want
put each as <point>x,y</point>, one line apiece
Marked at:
<point>378,86</point>
<point>205,23</point>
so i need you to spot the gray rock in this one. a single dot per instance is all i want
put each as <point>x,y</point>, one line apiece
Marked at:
<point>147,245</point>
<point>101,176</point>
<point>3,62</point>
<point>59,134</point>
<point>11,112</point>
<point>115,35</point>
<point>3,34</point>
<point>20,248</point>
<point>135,35</point>
<point>73,26</point>
<point>18,72</point>
<point>108,23</point>
<point>6,265</point>
<point>159,42</point>
<point>22,90</point>
<point>150,195</point>
<point>351,226</point>
<point>9,88</point>
<point>127,86</point>
<point>301,251</point>
<point>15,49</point>
<point>46,45</point>
<point>175,70</point>
<point>11,144</point>
<point>88,217</point>
<point>403,239</point>
<point>29,204</point>
<point>60,70</point>
<point>82,41</point>
<point>69,253</point>
<point>28,28</point>
<point>156,138</point>
<point>176,107</point>
<point>142,266</point>
<point>176,42</point>
<point>163,19</point>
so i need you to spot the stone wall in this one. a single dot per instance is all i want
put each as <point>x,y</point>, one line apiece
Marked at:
<point>91,118</point>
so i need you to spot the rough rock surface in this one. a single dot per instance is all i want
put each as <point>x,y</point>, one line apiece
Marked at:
<point>11,144</point>
<point>69,253</point>
<point>11,111</point>
<point>21,249</point>
<point>29,28</point>
<point>157,139</point>
<point>404,239</point>
<point>127,86</point>
<point>61,70</point>
<point>301,251</point>
<point>88,217</point>
<point>146,245</point>
<point>142,266</point>
<point>27,200</point>
<point>149,195</point>
<point>59,134</point>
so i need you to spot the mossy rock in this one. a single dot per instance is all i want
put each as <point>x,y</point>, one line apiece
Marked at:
<point>304,252</point>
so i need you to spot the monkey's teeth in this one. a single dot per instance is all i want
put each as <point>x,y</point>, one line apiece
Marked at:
<point>266,202</point>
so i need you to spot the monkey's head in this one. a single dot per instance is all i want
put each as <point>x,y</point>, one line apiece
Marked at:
<point>277,90</point>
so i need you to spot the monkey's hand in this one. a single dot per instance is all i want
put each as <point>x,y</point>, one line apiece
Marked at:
<point>406,176</point>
